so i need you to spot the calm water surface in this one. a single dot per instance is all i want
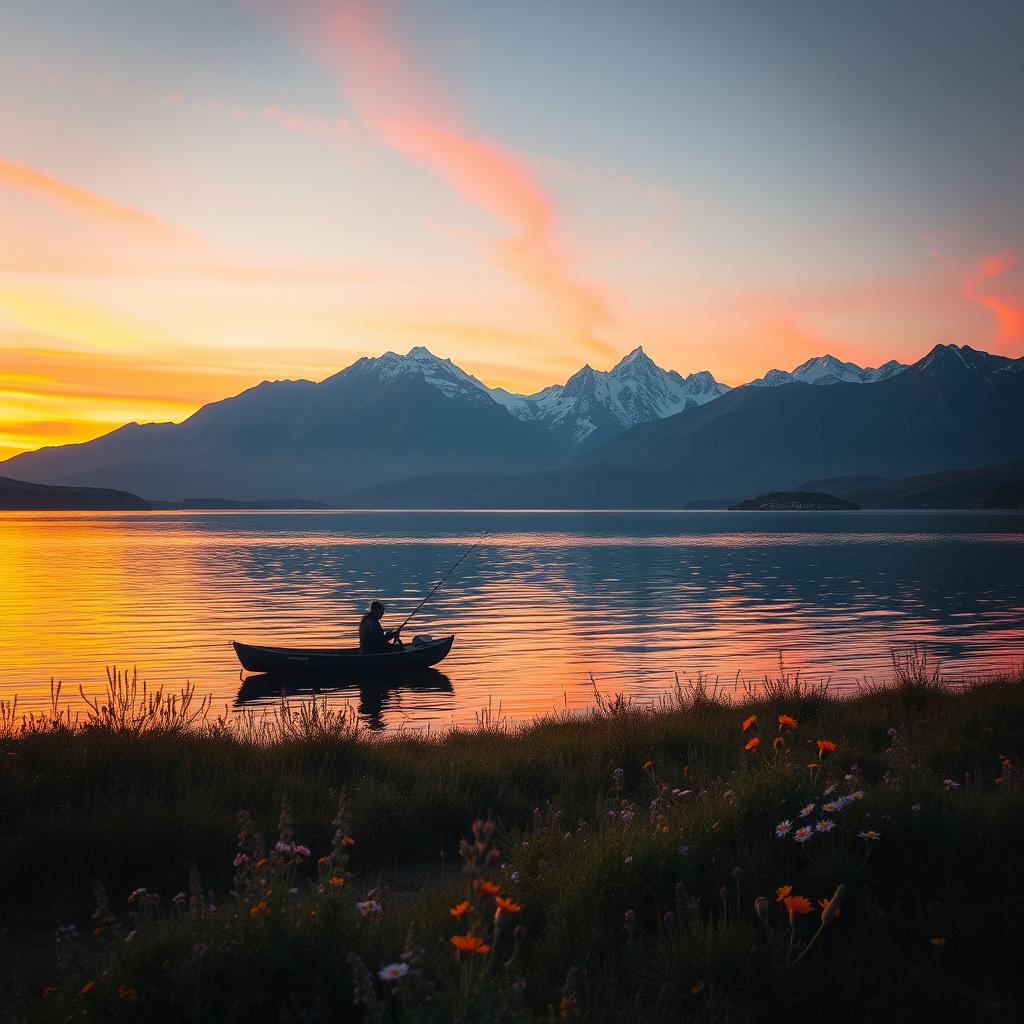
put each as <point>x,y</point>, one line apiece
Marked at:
<point>546,601</point>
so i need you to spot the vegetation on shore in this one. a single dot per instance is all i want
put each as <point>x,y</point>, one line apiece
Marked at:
<point>705,860</point>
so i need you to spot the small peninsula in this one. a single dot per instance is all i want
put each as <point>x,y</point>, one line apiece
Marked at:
<point>795,501</point>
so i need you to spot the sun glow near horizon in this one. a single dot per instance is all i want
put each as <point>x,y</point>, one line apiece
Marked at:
<point>349,178</point>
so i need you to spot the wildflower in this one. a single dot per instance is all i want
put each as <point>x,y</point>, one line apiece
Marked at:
<point>812,766</point>
<point>748,722</point>
<point>783,828</point>
<point>130,937</point>
<point>938,943</point>
<point>259,908</point>
<point>787,722</point>
<point>515,876</point>
<point>830,907</point>
<point>869,835</point>
<point>240,859</point>
<point>829,790</point>
<point>323,860</point>
<point>950,784</point>
<point>509,905</point>
<point>803,833</point>
<point>752,744</point>
<point>392,972</point>
<point>856,795</point>
<point>336,881</point>
<point>302,851</point>
<point>261,863</point>
<point>127,993</point>
<point>488,888</point>
<point>629,916</point>
<point>797,905</point>
<point>87,988</point>
<point>647,765</point>
<point>179,898</point>
<point>778,743</point>
<point>782,892</point>
<point>697,988</point>
<point>915,808</point>
<point>567,1007</point>
<point>804,811</point>
<point>627,860</point>
<point>368,908</point>
<point>761,908</point>
<point>137,895</point>
<point>825,825</point>
<point>347,841</point>
<point>459,909</point>
<point>831,807</point>
<point>825,747</point>
<point>627,817</point>
<point>469,944</point>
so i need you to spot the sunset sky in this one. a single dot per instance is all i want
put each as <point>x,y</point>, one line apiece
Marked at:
<point>198,195</point>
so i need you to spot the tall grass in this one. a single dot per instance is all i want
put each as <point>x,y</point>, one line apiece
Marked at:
<point>636,841</point>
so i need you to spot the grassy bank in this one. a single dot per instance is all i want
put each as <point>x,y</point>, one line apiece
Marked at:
<point>631,845</point>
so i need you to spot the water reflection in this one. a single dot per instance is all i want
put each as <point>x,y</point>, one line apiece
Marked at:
<point>545,601</point>
<point>376,693</point>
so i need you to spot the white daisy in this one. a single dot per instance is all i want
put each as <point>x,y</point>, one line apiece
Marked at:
<point>783,828</point>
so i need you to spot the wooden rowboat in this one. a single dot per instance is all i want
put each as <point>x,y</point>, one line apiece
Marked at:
<point>341,661</point>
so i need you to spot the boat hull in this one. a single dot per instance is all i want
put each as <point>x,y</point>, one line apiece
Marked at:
<point>341,661</point>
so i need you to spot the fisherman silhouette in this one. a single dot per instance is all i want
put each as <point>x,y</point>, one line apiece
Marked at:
<point>373,638</point>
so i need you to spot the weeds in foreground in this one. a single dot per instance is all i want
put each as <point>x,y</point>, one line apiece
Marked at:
<point>702,860</point>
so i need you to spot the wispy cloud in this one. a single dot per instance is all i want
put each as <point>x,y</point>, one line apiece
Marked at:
<point>403,105</point>
<point>981,287</point>
<point>81,202</point>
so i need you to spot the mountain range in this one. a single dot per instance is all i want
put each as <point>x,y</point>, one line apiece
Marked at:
<point>417,429</point>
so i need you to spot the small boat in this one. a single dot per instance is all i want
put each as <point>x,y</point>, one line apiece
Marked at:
<point>342,661</point>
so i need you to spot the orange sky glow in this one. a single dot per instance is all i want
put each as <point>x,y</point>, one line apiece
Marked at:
<point>163,244</point>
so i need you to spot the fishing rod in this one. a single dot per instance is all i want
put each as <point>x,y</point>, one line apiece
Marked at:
<point>461,559</point>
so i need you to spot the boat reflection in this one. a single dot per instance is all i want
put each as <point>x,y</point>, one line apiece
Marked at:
<point>377,692</point>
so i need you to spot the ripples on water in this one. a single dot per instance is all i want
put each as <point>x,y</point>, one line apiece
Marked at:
<point>547,599</point>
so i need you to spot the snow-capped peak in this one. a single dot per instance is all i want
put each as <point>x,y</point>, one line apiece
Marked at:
<point>827,369</point>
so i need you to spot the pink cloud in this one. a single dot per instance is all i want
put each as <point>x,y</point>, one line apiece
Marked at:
<point>980,288</point>
<point>399,101</point>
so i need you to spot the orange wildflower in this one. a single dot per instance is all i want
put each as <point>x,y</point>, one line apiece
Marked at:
<point>826,747</point>
<point>470,944</point>
<point>336,881</point>
<point>752,744</point>
<point>788,721</point>
<point>488,888</point>
<point>826,903</point>
<point>813,766</point>
<point>509,905</point>
<point>748,722</point>
<point>648,765</point>
<point>259,908</point>
<point>782,892</point>
<point>797,904</point>
<point>262,862</point>
<point>87,988</point>
<point>697,988</point>
<point>348,841</point>
<point>127,993</point>
<point>937,942</point>
<point>459,909</point>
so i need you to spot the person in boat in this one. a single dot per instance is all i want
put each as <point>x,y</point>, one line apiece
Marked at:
<point>373,638</point>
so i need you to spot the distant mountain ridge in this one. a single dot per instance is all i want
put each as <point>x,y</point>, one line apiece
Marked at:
<point>953,409</point>
<point>383,421</point>
<point>827,369</point>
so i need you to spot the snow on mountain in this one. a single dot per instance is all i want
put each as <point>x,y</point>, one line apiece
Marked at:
<point>592,404</point>
<point>827,369</point>
<point>595,404</point>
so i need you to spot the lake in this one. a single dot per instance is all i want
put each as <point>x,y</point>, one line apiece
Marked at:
<point>547,601</point>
